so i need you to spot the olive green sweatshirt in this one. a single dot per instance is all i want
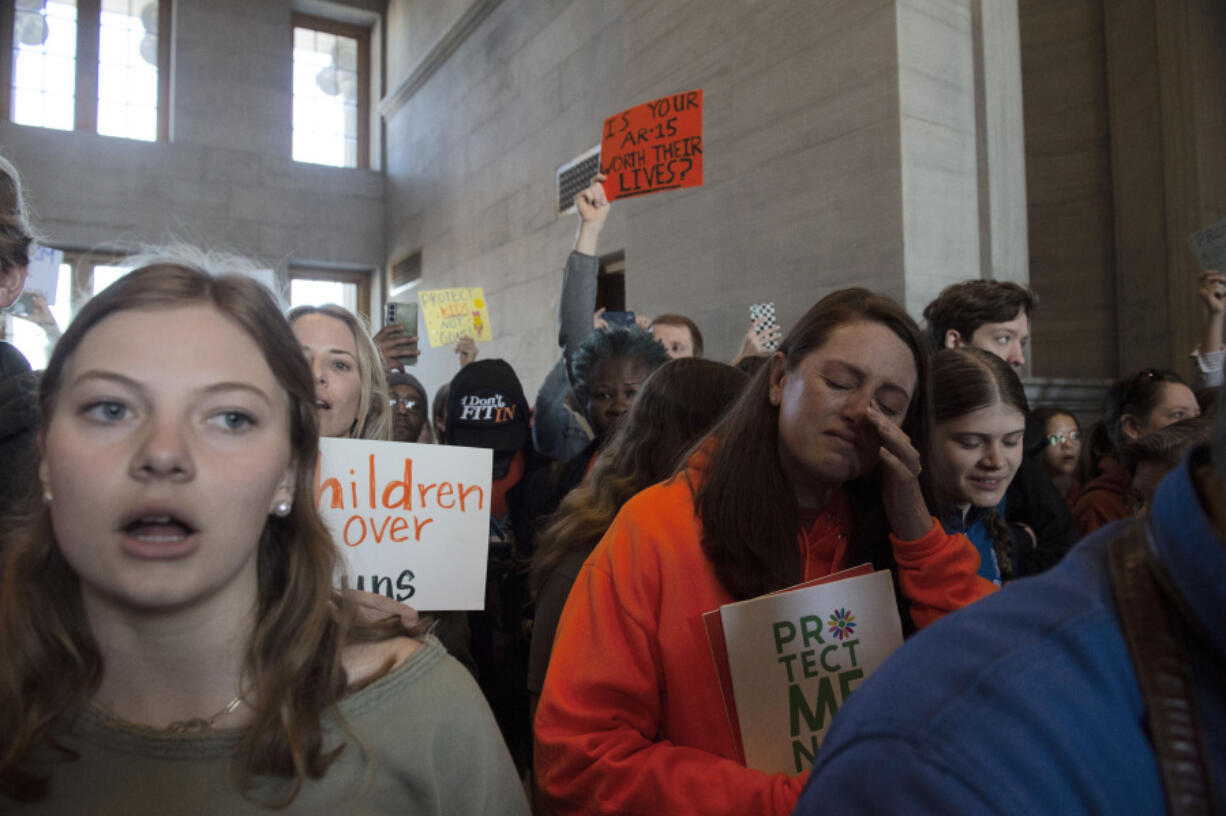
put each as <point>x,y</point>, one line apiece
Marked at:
<point>426,744</point>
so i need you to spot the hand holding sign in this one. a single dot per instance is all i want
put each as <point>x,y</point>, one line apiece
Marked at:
<point>792,658</point>
<point>593,207</point>
<point>1213,291</point>
<point>1213,295</point>
<point>592,203</point>
<point>654,146</point>
<point>466,348</point>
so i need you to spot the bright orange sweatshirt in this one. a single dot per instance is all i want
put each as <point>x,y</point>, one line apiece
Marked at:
<point>631,720</point>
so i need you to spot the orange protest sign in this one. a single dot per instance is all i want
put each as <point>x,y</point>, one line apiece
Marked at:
<point>654,146</point>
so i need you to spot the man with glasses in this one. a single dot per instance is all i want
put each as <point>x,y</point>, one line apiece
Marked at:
<point>407,398</point>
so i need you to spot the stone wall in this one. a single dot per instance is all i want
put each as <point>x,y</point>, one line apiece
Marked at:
<point>841,147</point>
<point>225,180</point>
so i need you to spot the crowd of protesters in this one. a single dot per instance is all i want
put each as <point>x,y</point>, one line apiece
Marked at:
<point>169,631</point>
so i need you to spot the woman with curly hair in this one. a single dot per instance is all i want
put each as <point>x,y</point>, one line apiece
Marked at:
<point>170,639</point>
<point>607,370</point>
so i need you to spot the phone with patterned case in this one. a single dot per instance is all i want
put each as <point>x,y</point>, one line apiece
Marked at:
<point>766,310</point>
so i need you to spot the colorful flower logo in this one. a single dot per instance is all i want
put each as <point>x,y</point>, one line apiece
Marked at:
<point>842,624</point>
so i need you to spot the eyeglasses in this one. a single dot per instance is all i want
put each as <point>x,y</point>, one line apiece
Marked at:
<point>1062,437</point>
<point>408,403</point>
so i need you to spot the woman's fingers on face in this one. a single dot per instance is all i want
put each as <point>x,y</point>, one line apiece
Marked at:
<point>895,464</point>
<point>895,439</point>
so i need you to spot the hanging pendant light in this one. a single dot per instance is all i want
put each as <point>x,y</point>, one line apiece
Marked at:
<point>32,28</point>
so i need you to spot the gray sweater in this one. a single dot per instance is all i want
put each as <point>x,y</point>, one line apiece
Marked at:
<point>426,743</point>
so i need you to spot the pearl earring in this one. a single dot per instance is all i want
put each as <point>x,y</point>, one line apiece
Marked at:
<point>282,508</point>
<point>47,497</point>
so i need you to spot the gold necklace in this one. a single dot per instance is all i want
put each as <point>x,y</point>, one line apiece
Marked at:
<point>195,725</point>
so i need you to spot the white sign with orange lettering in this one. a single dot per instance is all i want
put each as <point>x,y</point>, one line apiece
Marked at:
<point>412,521</point>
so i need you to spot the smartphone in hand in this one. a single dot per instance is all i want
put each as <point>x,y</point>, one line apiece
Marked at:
<point>405,315</point>
<point>619,320</point>
<point>767,310</point>
<point>24,305</point>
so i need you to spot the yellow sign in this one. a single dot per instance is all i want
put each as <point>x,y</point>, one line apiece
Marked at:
<point>453,313</point>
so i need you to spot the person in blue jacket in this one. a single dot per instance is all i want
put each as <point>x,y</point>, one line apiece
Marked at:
<point>1027,702</point>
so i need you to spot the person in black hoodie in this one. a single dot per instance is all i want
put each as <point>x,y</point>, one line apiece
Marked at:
<point>486,408</point>
<point>18,384</point>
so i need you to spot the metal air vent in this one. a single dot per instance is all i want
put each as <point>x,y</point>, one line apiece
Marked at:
<point>405,271</point>
<point>574,176</point>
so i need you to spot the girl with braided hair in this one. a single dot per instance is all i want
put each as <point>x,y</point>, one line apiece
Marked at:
<point>979,416</point>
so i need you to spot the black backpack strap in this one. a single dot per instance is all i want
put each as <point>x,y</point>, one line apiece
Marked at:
<point>1149,625</point>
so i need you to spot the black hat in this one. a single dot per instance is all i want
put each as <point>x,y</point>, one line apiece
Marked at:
<point>398,377</point>
<point>486,408</point>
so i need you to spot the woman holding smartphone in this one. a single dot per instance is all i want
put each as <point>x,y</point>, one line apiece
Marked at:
<point>170,640</point>
<point>813,470</point>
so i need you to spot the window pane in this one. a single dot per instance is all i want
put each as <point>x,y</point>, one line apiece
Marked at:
<point>104,276</point>
<point>325,80</point>
<point>304,292</point>
<point>29,337</point>
<point>62,310</point>
<point>30,340</point>
<point>44,63</point>
<point>127,69</point>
